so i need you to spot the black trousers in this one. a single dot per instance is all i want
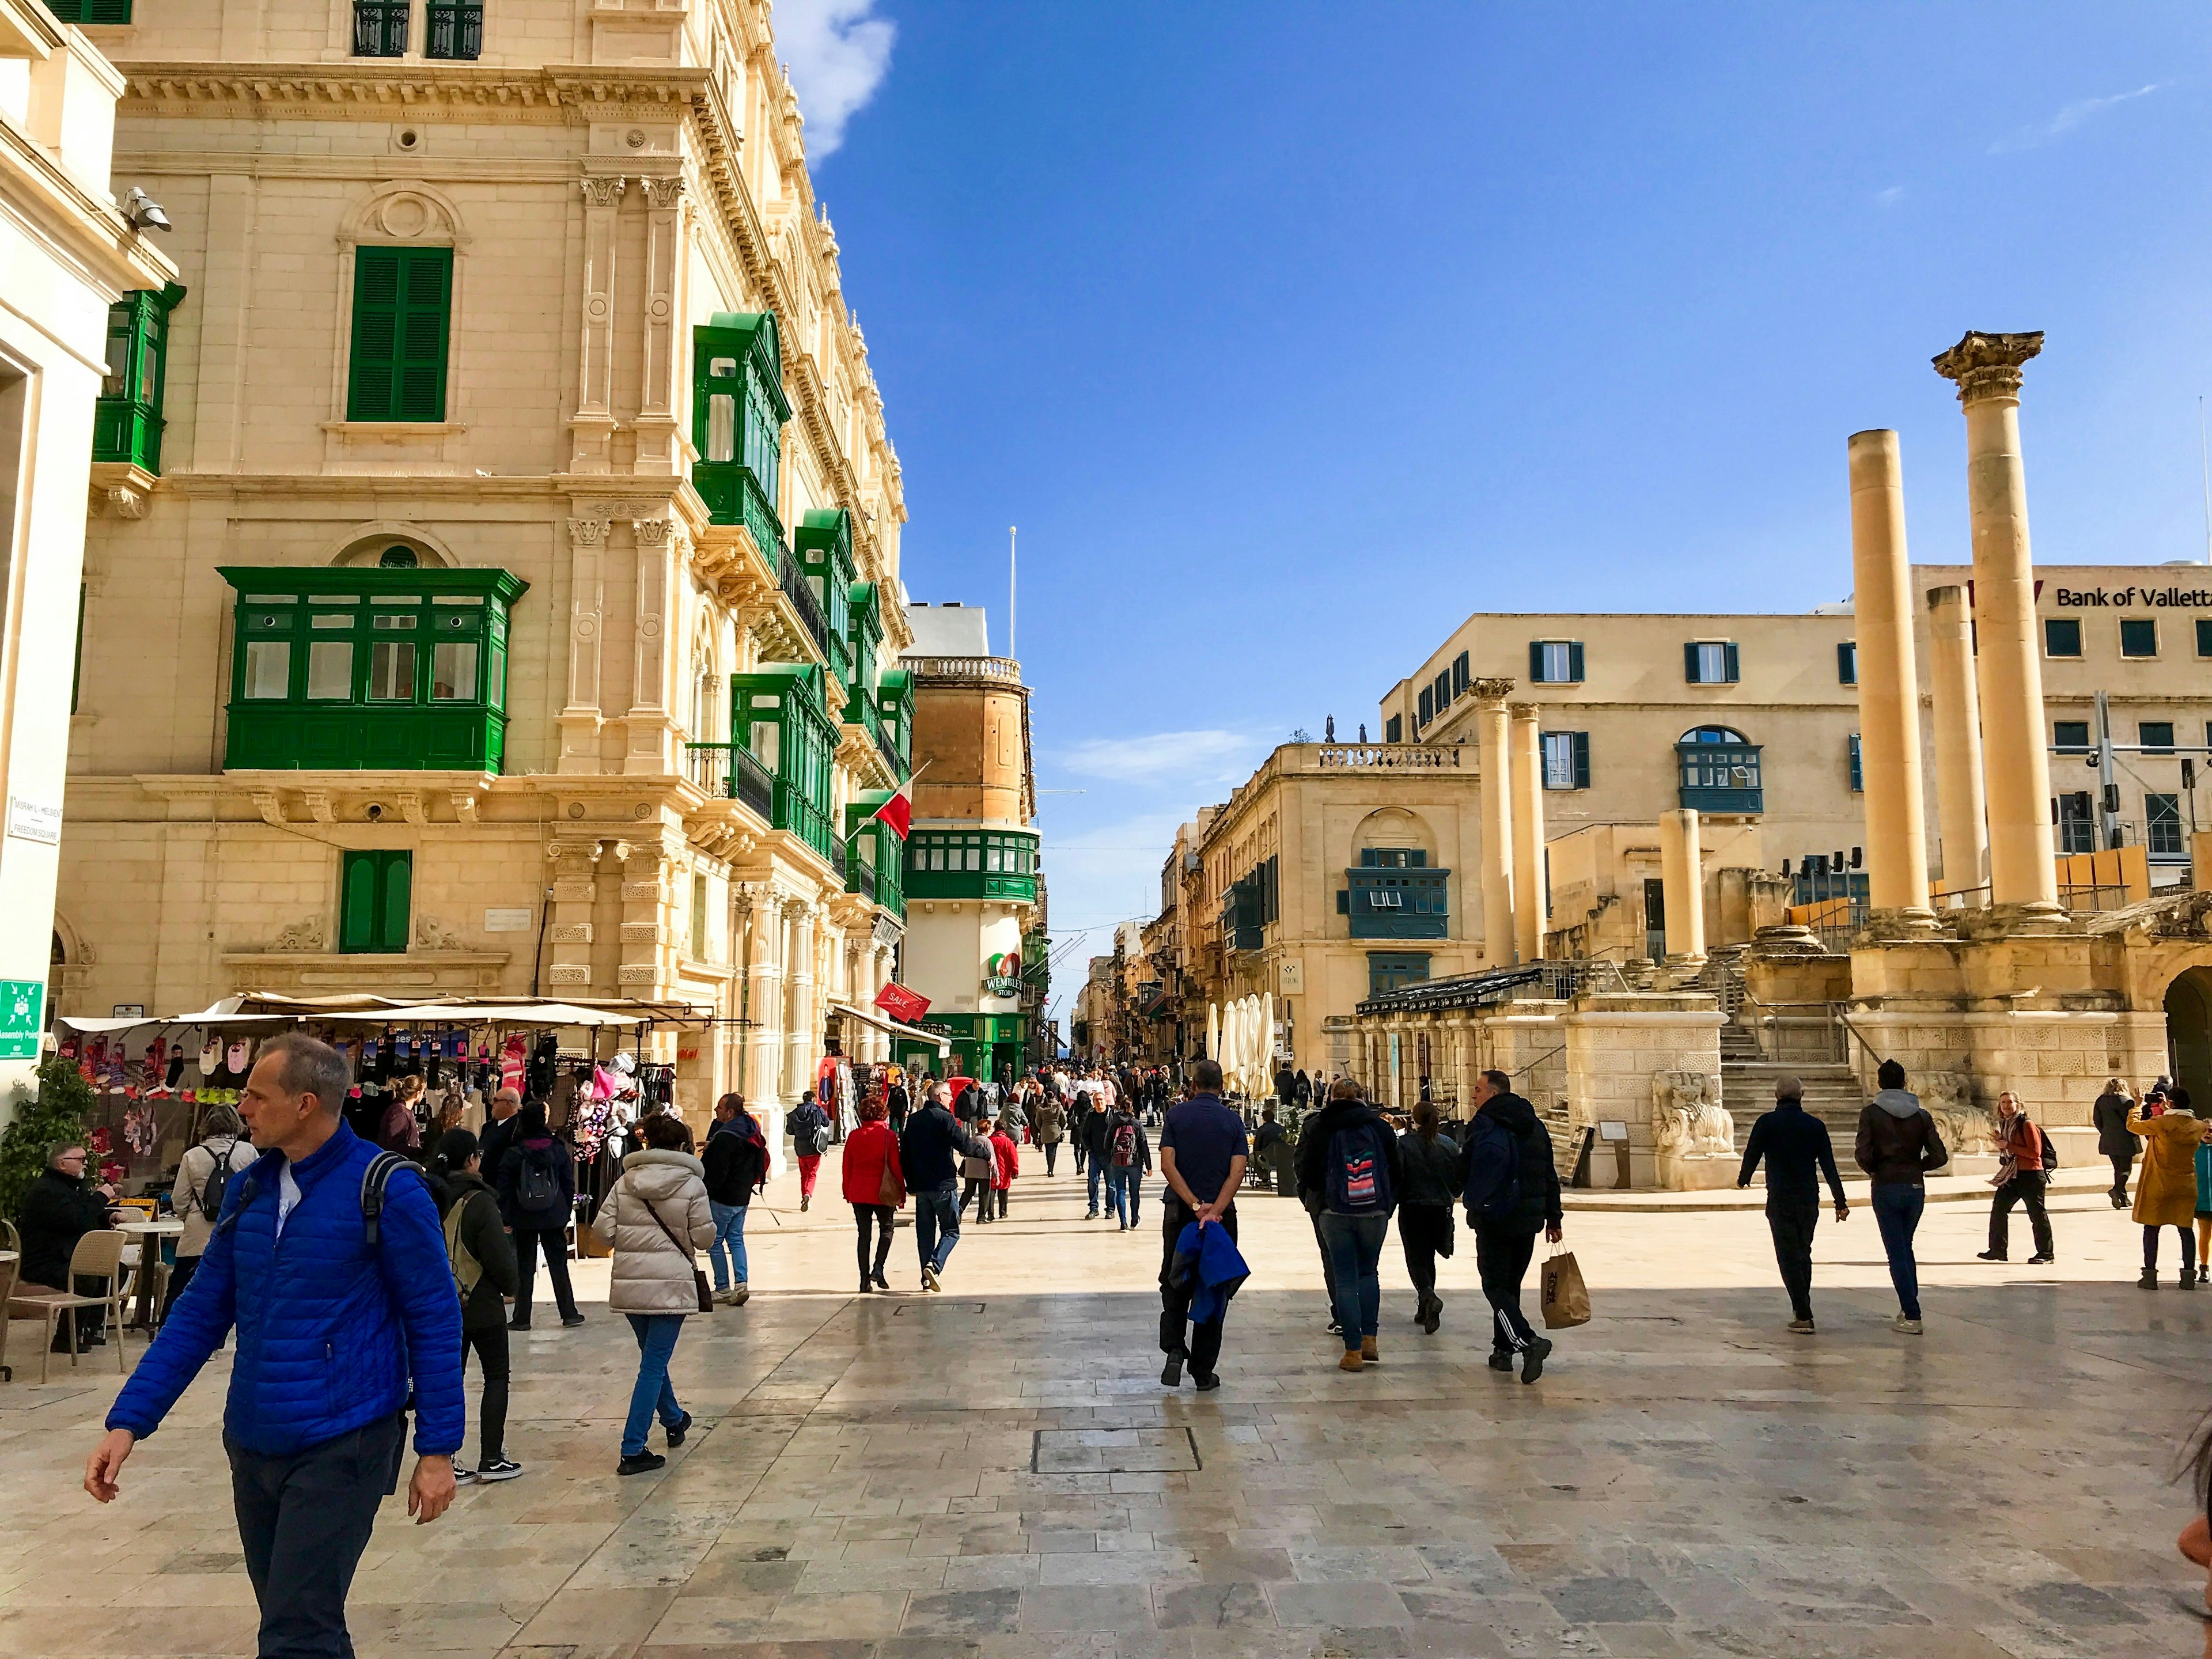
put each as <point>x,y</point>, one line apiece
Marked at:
<point>2123,1162</point>
<point>489,1346</point>
<point>179,1276</point>
<point>555,1242</point>
<point>1501,1257</point>
<point>883,1218</point>
<point>1425,1232</point>
<point>2150,1248</point>
<point>1199,1344</point>
<point>2026,1188</point>
<point>977,1192</point>
<point>1792,1223</point>
<point>304,1518</point>
<point>1051,1155</point>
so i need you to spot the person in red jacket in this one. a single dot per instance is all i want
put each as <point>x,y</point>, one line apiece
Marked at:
<point>1007,1158</point>
<point>876,1188</point>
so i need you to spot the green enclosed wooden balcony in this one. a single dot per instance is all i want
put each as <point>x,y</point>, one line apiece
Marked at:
<point>972,863</point>
<point>349,669</point>
<point>127,421</point>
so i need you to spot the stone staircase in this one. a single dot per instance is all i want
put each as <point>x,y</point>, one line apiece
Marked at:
<point>1833,1091</point>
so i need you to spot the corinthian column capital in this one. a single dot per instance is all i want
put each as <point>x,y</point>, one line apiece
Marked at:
<point>1988,365</point>
<point>1491,690</point>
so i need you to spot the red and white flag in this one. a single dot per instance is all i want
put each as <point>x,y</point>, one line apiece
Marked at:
<point>898,811</point>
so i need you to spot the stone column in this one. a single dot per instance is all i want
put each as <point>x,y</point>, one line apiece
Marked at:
<point>798,999</point>
<point>1959,810</point>
<point>2016,770</point>
<point>1681,870</point>
<point>1528,791</point>
<point>764,1066</point>
<point>1496,742</point>
<point>1889,688</point>
<point>592,427</point>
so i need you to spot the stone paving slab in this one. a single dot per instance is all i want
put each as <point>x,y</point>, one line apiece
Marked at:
<point>997,1473</point>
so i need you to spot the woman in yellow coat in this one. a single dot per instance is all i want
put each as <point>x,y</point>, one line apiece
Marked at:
<point>2165,1195</point>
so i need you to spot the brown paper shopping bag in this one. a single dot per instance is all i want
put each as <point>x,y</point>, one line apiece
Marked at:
<point>1566,1298</point>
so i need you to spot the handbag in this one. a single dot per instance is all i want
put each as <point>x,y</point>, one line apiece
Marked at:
<point>698,1273</point>
<point>1565,1297</point>
<point>889,1192</point>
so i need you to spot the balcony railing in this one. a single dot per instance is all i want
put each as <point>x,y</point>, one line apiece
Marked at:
<point>1003,669</point>
<point>793,581</point>
<point>730,772</point>
<point>1408,756</point>
<point>860,875</point>
<point>889,750</point>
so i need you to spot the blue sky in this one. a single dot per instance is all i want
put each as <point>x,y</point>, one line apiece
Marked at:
<point>1291,334</point>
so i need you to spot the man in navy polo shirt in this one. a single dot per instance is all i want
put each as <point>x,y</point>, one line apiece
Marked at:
<point>1203,1149</point>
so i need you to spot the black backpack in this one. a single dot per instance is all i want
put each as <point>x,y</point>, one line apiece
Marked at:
<point>374,1182</point>
<point>535,1192</point>
<point>210,1196</point>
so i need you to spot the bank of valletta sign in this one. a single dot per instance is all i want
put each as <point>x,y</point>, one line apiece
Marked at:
<point>2157,598</point>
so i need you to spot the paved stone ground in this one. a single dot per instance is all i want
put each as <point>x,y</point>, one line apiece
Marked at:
<point>996,1470</point>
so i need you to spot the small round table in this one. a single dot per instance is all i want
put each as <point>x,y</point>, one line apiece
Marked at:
<point>149,1235</point>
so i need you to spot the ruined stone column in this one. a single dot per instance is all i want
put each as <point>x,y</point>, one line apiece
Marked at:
<point>1527,791</point>
<point>1681,872</point>
<point>1889,688</point>
<point>1497,743</point>
<point>2016,770</point>
<point>1959,811</point>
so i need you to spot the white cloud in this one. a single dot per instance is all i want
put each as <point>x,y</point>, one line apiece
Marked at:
<point>1889,197</point>
<point>837,54</point>
<point>1211,756</point>
<point>2073,116</point>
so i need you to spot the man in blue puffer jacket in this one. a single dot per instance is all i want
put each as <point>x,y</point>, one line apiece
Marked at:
<point>331,1329</point>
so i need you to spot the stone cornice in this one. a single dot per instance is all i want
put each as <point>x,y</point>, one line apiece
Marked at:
<point>350,89</point>
<point>86,227</point>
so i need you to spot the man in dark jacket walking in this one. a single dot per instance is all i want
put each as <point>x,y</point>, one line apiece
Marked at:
<point>1505,1234</point>
<point>2110,1115</point>
<point>1352,1223</point>
<point>335,1334</point>
<point>930,1151</point>
<point>483,1258</point>
<point>1898,1148</point>
<point>1096,1132</point>
<point>1203,1149</point>
<point>735,1159</point>
<point>1795,1148</point>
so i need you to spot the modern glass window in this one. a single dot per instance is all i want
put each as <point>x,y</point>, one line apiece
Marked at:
<point>1566,759</point>
<point>1555,662</point>
<point>402,319</point>
<point>1710,662</point>
<point>2070,735</point>
<point>374,891</point>
<point>1847,662</point>
<point>379,28</point>
<point>456,29</point>
<point>2139,637</point>
<point>2062,636</point>
<point>365,666</point>
<point>2162,826</point>
<point>2156,737</point>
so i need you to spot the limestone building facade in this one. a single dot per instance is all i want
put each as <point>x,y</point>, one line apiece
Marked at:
<point>500,592</point>
<point>67,255</point>
<point>975,883</point>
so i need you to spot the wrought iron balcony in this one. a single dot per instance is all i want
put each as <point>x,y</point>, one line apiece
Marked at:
<point>729,771</point>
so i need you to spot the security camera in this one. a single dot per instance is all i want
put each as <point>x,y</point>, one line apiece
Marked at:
<point>142,212</point>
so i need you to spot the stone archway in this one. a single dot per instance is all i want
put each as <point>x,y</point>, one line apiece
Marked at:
<point>2189,1032</point>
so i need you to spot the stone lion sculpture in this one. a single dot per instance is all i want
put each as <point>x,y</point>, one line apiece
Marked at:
<point>1687,1118</point>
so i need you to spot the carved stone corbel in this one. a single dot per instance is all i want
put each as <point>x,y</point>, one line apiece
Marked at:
<point>412,807</point>
<point>465,806</point>
<point>270,804</point>
<point>320,808</point>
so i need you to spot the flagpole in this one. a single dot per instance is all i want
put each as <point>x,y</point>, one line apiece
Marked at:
<point>1012,588</point>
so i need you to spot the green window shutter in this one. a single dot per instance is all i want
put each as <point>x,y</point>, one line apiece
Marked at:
<point>1535,662</point>
<point>1735,671</point>
<point>402,306</point>
<point>392,909</point>
<point>2204,637</point>
<point>1575,662</point>
<point>1690,662</point>
<point>357,903</point>
<point>1847,662</point>
<point>1858,785</point>
<point>1582,760</point>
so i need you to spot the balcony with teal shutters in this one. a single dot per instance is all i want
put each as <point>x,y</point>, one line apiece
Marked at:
<point>972,863</point>
<point>778,716</point>
<point>895,710</point>
<point>823,544</point>
<point>127,420</point>
<point>874,856</point>
<point>1720,772</point>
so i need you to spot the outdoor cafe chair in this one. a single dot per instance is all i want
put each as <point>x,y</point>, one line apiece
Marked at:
<point>99,1255</point>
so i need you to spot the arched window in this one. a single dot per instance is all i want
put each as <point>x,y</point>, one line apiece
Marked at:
<point>1720,770</point>
<point>396,557</point>
<point>1713,734</point>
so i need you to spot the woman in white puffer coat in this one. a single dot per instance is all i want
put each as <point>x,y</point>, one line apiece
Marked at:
<point>657,1218</point>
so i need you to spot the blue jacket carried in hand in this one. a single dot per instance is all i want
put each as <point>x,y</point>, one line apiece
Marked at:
<point>330,1328</point>
<point>1212,1256</point>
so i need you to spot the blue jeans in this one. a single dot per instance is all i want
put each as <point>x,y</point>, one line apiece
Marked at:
<point>730,1233</point>
<point>1897,1207</point>
<point>1097,1176</point>
<point>1122,1188</point>
<point>936,1224</point>
<point>1354,1243</point>
<point>652,1392</point>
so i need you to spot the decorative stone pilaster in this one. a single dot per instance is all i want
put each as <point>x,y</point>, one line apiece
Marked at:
<point>649,727</point>
<point>661,448</point>
<point>579,719</point>
<point>591,428</point>
<point>1889,691</point>
<point>2009,667</point>
<point>647,967</point>
<point>568,931</point>
<point>1496,741</point>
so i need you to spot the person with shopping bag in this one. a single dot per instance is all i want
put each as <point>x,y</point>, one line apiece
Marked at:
<point>1512,1194</point>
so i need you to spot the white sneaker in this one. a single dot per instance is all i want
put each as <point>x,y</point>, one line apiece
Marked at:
<point>1905,1326</point>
